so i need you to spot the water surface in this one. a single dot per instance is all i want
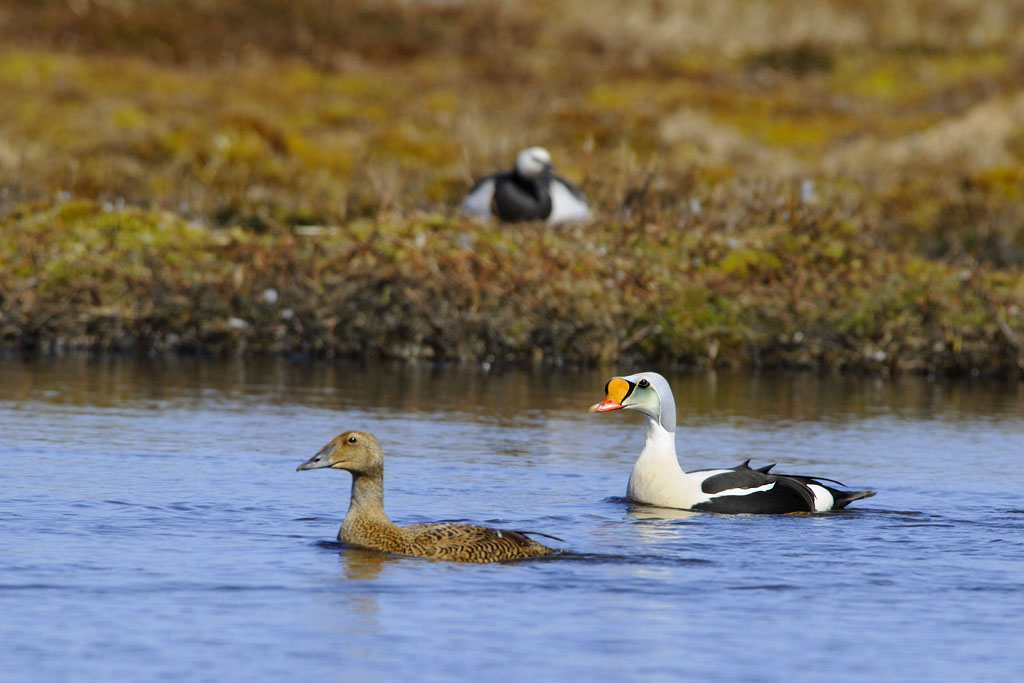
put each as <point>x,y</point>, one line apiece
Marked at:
<point>154,528</point>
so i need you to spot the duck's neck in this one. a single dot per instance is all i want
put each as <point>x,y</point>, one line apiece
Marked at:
<point>367,501</point>
<point>660,448</point>
<point>365,524</point>
<point>657,478</point>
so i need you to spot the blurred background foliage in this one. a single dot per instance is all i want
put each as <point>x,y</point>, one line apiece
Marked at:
<point>835,184</point>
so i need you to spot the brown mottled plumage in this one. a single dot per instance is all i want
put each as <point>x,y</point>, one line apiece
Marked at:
<point>367,526</point>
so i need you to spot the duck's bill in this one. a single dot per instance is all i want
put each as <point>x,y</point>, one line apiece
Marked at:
<point>616,392</point>
<point>318,461</point>
<point>606,405</point>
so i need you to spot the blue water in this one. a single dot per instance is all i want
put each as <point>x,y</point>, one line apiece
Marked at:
<point>154,528</point>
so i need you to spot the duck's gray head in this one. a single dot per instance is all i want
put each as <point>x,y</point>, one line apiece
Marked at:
<point>533,162</point>
<point>357,452</point>
<point>646,392</point>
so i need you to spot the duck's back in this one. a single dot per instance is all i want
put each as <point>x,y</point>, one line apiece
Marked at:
<point>375,533</point>
<point>469,542</point>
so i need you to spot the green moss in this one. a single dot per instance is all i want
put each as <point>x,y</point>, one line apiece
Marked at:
<point>1001,183</point>
<point>745,261</point>
<point>883,81</point>
<point>834,250</point>
<point>23,69</point>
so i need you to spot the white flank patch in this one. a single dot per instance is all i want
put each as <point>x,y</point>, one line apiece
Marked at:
<point>823,500</point>
<point>565,206</point>
<point>743,492</point>
<point>478,202</point>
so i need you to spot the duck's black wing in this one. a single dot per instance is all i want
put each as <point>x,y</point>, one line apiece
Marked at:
<point>735,491</point>
<point>743,490</point>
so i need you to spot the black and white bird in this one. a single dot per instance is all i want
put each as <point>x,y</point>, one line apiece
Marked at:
<point>657,479</point>
<point>529,192</point>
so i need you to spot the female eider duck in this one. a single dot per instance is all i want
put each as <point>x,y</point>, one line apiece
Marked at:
<point>658,480</point>
<point>529,192</point>
<point>367,526</point>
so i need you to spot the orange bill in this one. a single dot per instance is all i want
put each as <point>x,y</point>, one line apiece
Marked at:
<point>617,391</point>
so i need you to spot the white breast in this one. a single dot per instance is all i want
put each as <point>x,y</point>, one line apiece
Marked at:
<point>656,478</point>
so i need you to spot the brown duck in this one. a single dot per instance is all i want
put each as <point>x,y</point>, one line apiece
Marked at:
<point>367,526</point>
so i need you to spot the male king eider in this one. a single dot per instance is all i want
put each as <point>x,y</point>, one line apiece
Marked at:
<point>658,480</point>
<point>367,526</point>
<point>529,192</point>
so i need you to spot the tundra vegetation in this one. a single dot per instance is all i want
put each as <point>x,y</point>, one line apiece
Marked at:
<point>835,185</point>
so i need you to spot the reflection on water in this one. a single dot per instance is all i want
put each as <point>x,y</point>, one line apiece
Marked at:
<point>155,527</point>
<point>362,565</point>
<point>359,564</point>
<point>493,395</point>
<point>641,511</point>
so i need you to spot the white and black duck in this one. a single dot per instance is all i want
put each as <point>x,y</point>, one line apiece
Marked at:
<point>657,479</point>
<point>529,192</point>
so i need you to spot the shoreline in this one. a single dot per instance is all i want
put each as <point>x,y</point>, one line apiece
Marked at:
<point>435,289</point>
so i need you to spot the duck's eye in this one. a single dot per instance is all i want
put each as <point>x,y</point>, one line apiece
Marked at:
<point>352,439</point>
<point>643,383</point>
